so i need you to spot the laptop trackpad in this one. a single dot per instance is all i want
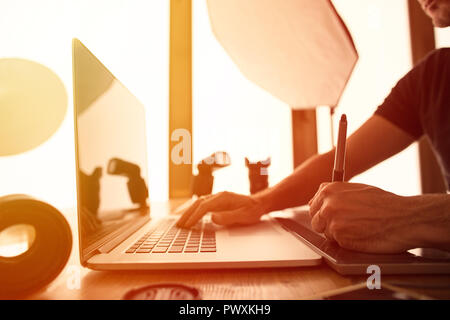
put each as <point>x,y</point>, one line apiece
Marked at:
<point>261,229</point>
<point>265,240</point>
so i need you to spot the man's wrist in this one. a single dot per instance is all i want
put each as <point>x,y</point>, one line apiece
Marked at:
<point>265,200</point>
<point>431,216</point>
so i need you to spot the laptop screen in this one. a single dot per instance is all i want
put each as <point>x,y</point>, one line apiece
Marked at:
<point>111,153</point>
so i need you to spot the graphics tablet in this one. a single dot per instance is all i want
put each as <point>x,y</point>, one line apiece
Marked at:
<point>351,262</point>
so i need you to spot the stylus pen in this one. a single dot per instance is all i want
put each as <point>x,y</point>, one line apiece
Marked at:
<point>339,157</point>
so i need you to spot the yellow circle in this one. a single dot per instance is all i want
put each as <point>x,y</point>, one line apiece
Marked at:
<point>33,103</point>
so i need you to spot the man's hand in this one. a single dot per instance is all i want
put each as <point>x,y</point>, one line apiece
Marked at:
<point>364,218</point>
<point>228,208</point>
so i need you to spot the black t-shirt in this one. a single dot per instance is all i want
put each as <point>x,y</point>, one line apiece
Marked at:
<point>420,104</point>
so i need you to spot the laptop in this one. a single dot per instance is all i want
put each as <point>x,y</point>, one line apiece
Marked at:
<point>117,226</point>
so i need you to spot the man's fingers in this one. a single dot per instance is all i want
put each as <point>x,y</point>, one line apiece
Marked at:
<point>328,230</point>
<point>187,213</point>
<point>316,202</point>
<point>322,185</point>
<point>216,202</point>
<point>315,206</point>
<point>202,209</point>
<point>318,223</point>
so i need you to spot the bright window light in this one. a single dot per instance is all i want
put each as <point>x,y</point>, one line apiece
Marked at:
<point>130,38</point>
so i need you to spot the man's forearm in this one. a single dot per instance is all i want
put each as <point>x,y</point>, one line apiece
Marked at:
<point>298,188</point>
<point>384,140</point>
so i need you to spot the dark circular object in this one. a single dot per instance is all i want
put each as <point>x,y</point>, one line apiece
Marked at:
<point>48,254</point>
<point>163,291</point>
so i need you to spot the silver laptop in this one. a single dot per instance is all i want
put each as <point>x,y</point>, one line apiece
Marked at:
<point>118,228</point>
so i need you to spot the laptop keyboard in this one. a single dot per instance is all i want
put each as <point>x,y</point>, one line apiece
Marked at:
<point>168,238</point>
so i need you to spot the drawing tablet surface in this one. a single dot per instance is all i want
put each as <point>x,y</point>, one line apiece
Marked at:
<point>351,262</point>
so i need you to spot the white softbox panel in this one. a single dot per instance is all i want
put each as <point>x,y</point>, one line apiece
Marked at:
<point>298,50</point>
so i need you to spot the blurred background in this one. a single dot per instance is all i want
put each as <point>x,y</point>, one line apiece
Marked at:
<point>229,112</point>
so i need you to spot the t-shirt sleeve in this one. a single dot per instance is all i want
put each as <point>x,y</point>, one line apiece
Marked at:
<point>401,106</point>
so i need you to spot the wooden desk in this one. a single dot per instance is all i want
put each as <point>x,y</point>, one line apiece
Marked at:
<point>274,283</point>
